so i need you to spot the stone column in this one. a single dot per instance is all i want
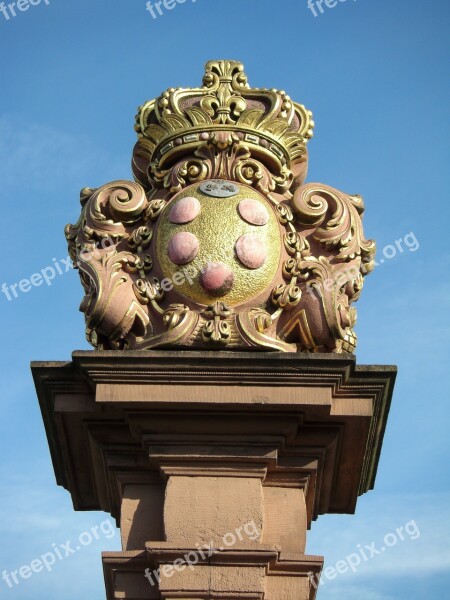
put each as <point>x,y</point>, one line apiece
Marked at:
<point>213,464</point>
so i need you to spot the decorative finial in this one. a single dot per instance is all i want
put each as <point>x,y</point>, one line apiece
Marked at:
<point>219,244</point>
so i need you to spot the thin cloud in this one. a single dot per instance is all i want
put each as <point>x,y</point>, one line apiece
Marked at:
<point>42,158</point>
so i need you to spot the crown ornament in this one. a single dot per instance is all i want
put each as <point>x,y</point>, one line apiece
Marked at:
<point>218,243</point>
<point>178,123</point>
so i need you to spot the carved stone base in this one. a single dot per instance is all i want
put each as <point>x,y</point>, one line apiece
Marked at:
<point>261,573</point>
<point>220,460</point>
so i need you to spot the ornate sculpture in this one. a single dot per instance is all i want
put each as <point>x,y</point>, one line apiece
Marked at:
<point>219,243</point>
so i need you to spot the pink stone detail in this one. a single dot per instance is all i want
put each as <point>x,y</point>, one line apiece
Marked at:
<point>253,212</point>
<point>251,250</point>
<point>184,210</point>
<point>217,278</point>
<point>183,248</point>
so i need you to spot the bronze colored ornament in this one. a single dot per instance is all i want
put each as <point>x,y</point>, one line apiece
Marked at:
<point>219,243</point>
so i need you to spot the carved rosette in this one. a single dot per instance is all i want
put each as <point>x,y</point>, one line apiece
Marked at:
<point>218,244</point>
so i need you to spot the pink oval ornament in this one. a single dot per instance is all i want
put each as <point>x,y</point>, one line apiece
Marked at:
<point>184,210</point>
<point>217,278</point>
<point>251,250</point>
<point>183,248</point>
<point>253,212</point>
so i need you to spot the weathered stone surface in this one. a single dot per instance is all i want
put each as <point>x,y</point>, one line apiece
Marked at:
<point>188,448</point>
<point>205,508</point>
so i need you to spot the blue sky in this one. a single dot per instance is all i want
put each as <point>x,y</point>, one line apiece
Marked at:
<point>375,74</point>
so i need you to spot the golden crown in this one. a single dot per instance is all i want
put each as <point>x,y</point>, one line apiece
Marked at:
<point>274,128</point>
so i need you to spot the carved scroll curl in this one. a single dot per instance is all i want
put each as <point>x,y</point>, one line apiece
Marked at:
<point>337,219</point>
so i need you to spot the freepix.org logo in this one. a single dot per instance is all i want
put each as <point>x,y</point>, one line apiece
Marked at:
<point>59,552</point>
<point>12,9</point>
<point>159,9</point>
<point>317,7</point>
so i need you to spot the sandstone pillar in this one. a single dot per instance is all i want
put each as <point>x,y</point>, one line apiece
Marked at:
<point>222,410</point>
<point>219,461</point>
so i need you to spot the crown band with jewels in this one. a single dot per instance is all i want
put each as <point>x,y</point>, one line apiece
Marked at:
<point>182,119</point>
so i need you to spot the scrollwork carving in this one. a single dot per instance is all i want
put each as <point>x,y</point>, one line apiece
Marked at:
<point>295,254</point>
<point>216,328</point>
<point>337,218</point>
